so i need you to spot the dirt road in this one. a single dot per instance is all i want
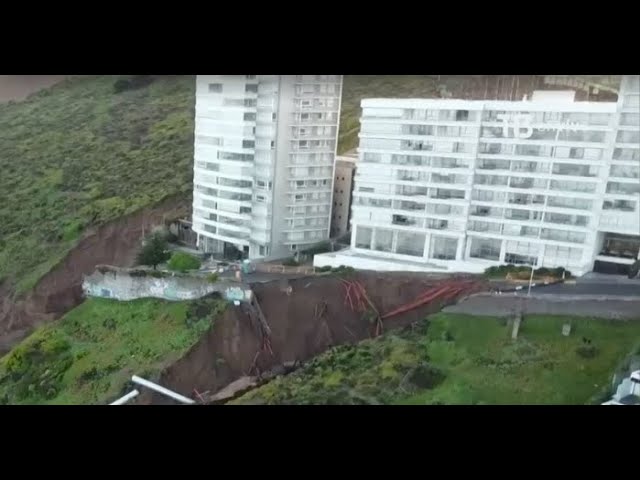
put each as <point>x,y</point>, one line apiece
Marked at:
<point>18,87</point>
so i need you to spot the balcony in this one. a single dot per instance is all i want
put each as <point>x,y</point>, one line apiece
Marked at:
<point>526,199</point>
<point>485,227</point>
<point>493,165</point>
<point>437,224</point>
<point>574,170</point>
<point>402,220</point>
<point>563,236</point>
<point>617,188</point>
<point>402,205</point>
<point>619,205</point>
<point>447,195</point>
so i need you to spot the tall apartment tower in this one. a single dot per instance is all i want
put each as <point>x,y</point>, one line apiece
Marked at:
<point>456,185</point>
<point>264,158</point>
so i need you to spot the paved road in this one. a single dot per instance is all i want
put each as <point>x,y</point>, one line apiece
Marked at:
<point>504,305</point>
<point>591,288</point>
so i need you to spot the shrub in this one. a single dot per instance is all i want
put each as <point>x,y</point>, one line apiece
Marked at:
<point>323,269</point>
<point>182,262</point>
<point>587,351</point>
<point>212,277</point>
<point>321,247</point>
<point>343,270</point>
<point>290,262</point>
<point>132,83</point>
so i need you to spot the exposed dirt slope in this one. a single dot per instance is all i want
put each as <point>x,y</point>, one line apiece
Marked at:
<point>227,352</point>
<point>114,243</point>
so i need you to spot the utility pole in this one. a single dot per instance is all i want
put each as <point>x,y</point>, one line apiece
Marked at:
<point>531,278</point>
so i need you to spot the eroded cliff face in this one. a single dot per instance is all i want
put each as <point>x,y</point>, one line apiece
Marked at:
<point>60,290</point>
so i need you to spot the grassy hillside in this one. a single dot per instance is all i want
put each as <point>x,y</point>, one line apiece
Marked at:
<point>357,87</point>
<point>79,154</point>
<point>89,355</point>
<point>462,359</point>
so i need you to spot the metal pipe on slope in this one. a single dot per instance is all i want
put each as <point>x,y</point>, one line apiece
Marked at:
<point>162,390</point>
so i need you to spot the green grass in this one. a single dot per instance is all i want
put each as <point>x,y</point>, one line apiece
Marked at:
<point>484,366</point>
<point>357,87</point>
<point>89,355</point>
<point>77,155</point>
<point>183,262</point>
<point>469,360</point>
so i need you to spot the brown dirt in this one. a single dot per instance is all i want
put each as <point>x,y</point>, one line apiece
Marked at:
<point>227,351</point>
<point>60,290</point>
<point>18,87</point>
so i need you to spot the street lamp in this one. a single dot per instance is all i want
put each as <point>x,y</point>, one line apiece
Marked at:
<point>533,265</point>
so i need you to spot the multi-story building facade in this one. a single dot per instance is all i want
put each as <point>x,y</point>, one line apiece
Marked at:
<point>463,185</point>
<point>264,159</point>
<point>342,194</point>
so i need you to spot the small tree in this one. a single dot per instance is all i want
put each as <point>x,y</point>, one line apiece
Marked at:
<point>154,251</point>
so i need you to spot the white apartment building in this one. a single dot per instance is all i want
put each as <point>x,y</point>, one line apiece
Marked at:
<point>264,159</point>
<point>453,185</point>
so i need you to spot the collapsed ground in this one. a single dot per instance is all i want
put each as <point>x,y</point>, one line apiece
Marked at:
<point>198,348</point>
<point>463,359</point>
<point>85,164</point>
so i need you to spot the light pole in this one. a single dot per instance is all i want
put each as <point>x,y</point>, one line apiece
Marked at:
<point>533,265</point>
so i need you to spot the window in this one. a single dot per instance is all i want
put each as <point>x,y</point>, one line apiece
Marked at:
<point>251,88</point>
<point>249,117</point>
<point>215,88</point>
<point>273,144</point>
<point>260,198</point>
<point>462,115</point>
<point>488,249</point>
<point>273,116</point>
<point>248,144</point>
<point>250,77</point>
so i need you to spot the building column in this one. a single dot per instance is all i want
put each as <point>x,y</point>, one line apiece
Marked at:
<point>354,232</point>
<point>467,250</point>
<point>394,241</point>
<point>427,244</point>
<point>460,249</point>
<point>373,238</point>
<point>503,250</point>
<point>541,255</point>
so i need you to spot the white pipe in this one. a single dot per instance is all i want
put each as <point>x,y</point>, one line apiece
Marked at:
<point>162,390</point>
<point>126,398</point>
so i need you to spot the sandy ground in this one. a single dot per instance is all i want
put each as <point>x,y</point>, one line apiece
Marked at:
<point>18,87</point>
<point>582,306</point>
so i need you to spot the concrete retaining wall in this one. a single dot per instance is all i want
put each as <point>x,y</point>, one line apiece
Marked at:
<point>124,284</point>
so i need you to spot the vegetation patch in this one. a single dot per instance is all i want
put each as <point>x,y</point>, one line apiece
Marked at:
<point>81,153</point>
<point>376,371</point>
<point>89,355</point>
<point>463,359</point>
<point>523,272</point>
<point>183,262</point>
